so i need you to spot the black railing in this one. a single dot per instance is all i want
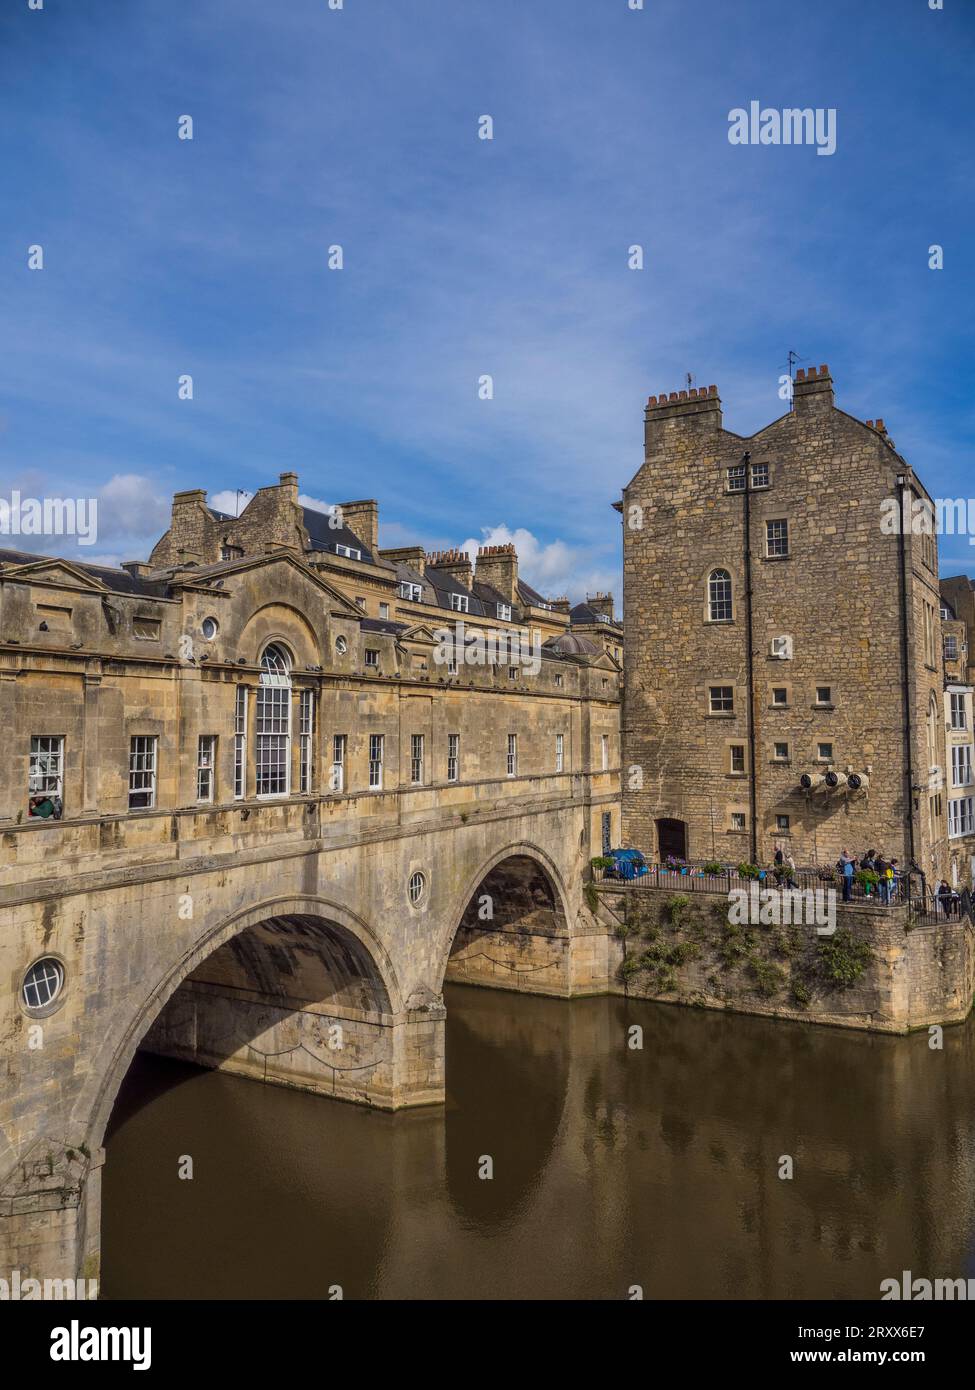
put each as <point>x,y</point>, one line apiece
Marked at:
<point>706,878</point>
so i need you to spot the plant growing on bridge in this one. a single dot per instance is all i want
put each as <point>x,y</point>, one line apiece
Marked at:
<point>713,868</point>
<point>748,870</point>
<point>843,957</point>
<point>601,862</point>
<point>676,907</point>
<point>768,977</point>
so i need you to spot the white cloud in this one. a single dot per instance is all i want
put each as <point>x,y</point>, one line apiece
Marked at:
<point>555,569</point>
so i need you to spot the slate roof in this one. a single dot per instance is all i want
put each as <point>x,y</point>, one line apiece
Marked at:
<point>325,537</point>
<point>119,581</point>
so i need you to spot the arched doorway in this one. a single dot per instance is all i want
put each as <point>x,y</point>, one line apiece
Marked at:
<point>671,838</point>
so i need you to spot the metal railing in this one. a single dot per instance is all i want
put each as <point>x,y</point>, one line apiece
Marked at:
<point>702,878</point>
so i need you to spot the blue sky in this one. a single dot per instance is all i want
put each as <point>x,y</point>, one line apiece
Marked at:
<point>464,257</point>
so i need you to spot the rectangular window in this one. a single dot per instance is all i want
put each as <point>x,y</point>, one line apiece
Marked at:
<point>512,755</point>
<point>776,538</point>
<point>607,831</point>
<point>512,673</point>
<point>349,552</point>
<point>361,602</point>
<point>45,777</point>
<point>504,612</point>
<point>738,820</point>
<point>416,760</point>
<point>384,610</point>
<point>372,658</point>
<point>824,694</point>
<point>961,766</point>
<point>604,751</point>
<point>273,728</point>
<point>459,602</point>
<point>736,478</point>
<point>142,773</point>
<point>959,716</point>
<point>230,552</point>
<point>306,737</point>
<point>961,816</point>
<point>560,681</point>
<point>146,629</point>
<point>453,757</point>
<point>376,746</point>
<point>781,752</point>
<point>337,780</point>
<point>559,752</point>
<point>206,757</point>
<point>240,742</point>
<point>722,699</point>
<point>951,648</point>
<point>737,756</point>
<point>825,753</point>
<point>412,592</point>
<point>782,822</point>
<point>760,475</point>
<point>780,695</point>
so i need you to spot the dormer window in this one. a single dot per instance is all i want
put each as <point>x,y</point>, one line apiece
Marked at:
<point>504,612</point>
<point>459,603</point>
<point>231,552</point>
<point>412,592</point>
<point>349,552</point>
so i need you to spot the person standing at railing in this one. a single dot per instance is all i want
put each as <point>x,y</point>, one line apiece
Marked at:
<point>883,882</point>
<point>845,866</point>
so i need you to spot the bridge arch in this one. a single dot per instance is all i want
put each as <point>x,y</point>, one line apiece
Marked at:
<point>518,938</point>
<point>341,930</point>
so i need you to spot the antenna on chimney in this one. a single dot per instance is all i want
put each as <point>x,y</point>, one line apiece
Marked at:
<point>793,358</point>
<point>691,380</point>
<point>240,493</point>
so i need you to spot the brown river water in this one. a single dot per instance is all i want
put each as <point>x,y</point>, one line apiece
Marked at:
<point>612,1167</point>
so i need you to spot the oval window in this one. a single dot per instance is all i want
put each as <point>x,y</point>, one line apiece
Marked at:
<point>209,628</point>
<point>43,983</point>
<point>417,885</point>
<point>341,646</point>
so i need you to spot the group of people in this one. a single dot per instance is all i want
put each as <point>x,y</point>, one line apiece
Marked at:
<point>873,862</point>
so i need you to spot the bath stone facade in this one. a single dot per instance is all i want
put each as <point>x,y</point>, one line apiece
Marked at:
<point>776,629</point>
<point>247,821</point>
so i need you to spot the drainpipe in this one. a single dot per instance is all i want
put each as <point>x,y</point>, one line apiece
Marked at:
<point>906,669</point>
<point>750,655</point>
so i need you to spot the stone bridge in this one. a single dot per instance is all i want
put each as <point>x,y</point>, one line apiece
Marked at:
<point>289,942</point>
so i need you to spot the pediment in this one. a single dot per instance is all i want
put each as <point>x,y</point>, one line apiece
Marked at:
<point>56,571</point>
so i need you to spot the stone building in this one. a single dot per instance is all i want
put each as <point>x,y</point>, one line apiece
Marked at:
<point>958,633</point>
<point>784,673</point>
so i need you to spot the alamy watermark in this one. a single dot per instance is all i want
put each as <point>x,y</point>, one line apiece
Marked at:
<point>791,126</point>
<point>49,516</point>
<point>457,647</point>
<point>18,1289</point>
<point>910,515</point>
<point>783,907</point>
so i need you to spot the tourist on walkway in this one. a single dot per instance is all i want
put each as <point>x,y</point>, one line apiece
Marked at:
<point>845,867</point>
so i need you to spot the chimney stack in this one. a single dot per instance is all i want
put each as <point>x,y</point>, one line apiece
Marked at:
<point>497,565</point>
<point>362,518</point>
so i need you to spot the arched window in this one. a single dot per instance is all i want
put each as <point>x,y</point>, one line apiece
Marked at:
<point>719,596</point>
<point>934,757</point>
<point>274,723</point>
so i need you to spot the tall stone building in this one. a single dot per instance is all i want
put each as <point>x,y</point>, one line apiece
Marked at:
<point>783,665</point>
<point>958,630</point>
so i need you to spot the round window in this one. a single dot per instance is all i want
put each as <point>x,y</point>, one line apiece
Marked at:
<point>209,628</point>
<point>43,983</point>
<point>341,646</point>
<point>417,885</point>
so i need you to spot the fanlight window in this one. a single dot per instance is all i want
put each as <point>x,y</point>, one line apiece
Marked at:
<point>274,723</point>
<point>719,596</point>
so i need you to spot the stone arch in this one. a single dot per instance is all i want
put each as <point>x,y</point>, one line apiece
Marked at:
<point>95,1122</point>
<point>518,854</point>
<point>281,623</point>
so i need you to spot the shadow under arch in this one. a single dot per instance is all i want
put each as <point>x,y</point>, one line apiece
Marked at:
<point>507,1060</point>
<point>342,931</point>
<point>531,897</point>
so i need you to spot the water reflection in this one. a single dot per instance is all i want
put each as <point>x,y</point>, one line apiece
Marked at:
<point>612,1167</point>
